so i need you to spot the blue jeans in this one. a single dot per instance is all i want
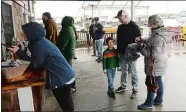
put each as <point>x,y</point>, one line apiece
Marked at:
<point>99,47</point>
<point>125,66</point>
<point>110,76</point>
<point>150,95</point>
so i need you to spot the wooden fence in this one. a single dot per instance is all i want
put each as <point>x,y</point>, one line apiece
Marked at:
<point>85,39</point>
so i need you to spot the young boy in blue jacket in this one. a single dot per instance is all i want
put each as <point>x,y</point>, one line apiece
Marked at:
<point>59,74</point>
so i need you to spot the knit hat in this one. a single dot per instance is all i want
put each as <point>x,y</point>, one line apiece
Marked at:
<point>155,19</point>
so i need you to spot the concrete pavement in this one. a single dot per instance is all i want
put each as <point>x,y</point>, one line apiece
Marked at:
<point>91,94</point>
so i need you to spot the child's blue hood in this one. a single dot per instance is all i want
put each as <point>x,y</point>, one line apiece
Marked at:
<point>33,31</point>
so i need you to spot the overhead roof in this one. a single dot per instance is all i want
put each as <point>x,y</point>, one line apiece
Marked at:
<point>109,5</point>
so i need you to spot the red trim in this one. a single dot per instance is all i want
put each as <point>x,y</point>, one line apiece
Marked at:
<point>109,54</point>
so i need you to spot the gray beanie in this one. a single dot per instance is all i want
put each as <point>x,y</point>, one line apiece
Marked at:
<point>155,19</point>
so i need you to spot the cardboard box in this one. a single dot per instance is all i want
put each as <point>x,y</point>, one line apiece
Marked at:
<point>13,72</point>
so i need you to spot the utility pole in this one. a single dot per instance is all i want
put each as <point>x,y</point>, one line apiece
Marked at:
<point>94,47</point>
<point>84,18</point>
<point>92,11</point>
<point>167,9</point>
<point>132,10</point>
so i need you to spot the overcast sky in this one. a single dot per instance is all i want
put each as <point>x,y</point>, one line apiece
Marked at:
<point>72,8</point>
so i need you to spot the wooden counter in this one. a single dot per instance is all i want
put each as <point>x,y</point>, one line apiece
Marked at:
<point>31,78</point>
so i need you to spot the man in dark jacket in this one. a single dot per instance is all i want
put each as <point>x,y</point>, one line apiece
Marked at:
<point>98,34</point>
<point>92,35</point>
<point>59,74</point>
<point>127,33</point>
<point>50,27</point>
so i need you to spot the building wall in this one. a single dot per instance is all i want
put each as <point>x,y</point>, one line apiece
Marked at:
<point>21,12</point>
<point>18,16</point>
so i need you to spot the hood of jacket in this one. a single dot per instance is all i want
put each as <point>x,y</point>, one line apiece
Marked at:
<point>67,21</point>
<point>33,31</point>
<point>164,33</point>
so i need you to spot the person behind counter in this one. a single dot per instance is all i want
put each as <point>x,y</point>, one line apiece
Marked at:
<point>59,74</point>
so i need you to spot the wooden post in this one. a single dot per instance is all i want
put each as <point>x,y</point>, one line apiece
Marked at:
<point>112,35</point>
<point>88,39</point>
<point>10,101</point>
<point>38,98</point>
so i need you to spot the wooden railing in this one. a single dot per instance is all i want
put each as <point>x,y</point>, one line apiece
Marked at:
<point>85,39</point>
<point>113,35</point>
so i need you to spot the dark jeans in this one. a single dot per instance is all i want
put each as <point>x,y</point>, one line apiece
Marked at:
<point>64,98</point>
<point>150,95</point>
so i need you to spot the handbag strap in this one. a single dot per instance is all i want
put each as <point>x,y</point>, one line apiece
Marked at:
<point>152,62</point>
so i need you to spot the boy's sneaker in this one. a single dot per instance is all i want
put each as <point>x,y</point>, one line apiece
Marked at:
<point>134,95</point>
<point>99,61</point>
<point>144,107</point>
<point>108,92</point>
<point>158,104</point>
<point>120,89</point>
<point>111,94</point>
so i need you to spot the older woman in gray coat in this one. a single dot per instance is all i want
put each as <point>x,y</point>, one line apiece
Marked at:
<point>156,48</point>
